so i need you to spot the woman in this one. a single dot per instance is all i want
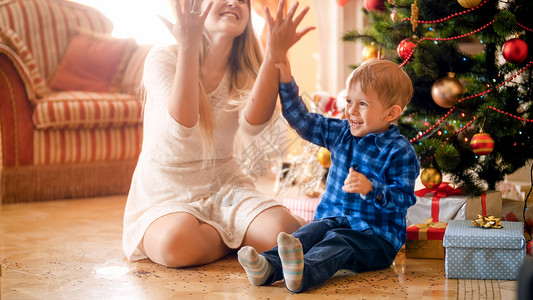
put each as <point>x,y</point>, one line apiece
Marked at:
<point>189,203</point>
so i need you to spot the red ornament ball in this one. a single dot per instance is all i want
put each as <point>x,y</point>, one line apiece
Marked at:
<point>482,143</point>
<point>406,48</point>
<point>515,50</point>
<point>375,5</point>
<point>342,2</point>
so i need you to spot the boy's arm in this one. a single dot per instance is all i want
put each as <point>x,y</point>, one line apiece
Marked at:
<point>399,192</point>
<point>357,183</point>
<point>312,127</point>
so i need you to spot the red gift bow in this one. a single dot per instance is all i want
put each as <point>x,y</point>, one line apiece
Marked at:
<point>442,191</point>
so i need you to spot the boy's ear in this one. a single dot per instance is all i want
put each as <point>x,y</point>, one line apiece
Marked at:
<point>394,113</point>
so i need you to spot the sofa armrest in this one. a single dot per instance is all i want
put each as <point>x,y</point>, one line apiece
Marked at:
<point>21,69</point>
<point>16,126</point>
<point>11,40</point>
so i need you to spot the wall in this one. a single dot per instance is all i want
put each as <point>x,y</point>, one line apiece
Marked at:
<point>304,54</point>
<point>320,60</point>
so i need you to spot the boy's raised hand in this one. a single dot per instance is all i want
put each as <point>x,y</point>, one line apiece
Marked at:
<point>357,183</point>
<point>282,31</point>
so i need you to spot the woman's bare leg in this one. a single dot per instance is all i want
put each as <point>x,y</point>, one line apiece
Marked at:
<point>180,240</point>
<point>263,232</point>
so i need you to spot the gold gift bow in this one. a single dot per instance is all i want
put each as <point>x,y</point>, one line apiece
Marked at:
<point>487,222</point>
<point>428,223</point>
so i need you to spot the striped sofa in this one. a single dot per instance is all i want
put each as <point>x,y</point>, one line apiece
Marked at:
<point>57,144</point>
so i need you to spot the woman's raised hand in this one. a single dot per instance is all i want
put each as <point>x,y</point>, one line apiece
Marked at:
<point>282,31</point>
<point>190,22</point>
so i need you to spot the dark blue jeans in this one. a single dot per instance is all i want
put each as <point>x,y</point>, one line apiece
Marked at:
<point>330,245</point>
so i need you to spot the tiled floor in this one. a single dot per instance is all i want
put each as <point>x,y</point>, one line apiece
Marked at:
<point>72,250</point>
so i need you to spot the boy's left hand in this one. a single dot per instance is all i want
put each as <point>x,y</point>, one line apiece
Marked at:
<point>282,32</point>
<point>357,183</point>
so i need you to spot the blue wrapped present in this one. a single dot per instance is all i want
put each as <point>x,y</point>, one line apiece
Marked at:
<point>479,253</point>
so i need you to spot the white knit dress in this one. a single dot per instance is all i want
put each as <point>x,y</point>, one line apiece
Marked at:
<point>169,178</point>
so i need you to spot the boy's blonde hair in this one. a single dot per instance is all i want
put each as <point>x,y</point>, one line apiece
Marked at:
<point>392,84</point>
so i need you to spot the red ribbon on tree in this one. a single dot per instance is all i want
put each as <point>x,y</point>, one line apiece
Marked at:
<point>442,191</point>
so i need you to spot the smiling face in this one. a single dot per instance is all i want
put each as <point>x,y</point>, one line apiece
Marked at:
<point>228,17</point>
<point>366,112</point>
<point>377,92</point>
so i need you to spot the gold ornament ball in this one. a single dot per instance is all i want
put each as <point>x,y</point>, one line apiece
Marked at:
<point>446,91</point>
<point>431,177</point>
<point>469,3</point>
<point>324,157</point>
<point>370,51</point>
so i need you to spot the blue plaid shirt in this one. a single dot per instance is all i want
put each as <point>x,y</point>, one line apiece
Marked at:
<point>387,159</point>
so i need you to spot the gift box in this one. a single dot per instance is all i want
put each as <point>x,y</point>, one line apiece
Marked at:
<point>302,206</point>
<point>488,203</point>
<point>424,240</point>
<point>441,204</point>
<point>479,253</point>
<point>513,197</point>
<point>445,203</point>
<point>514,190</point>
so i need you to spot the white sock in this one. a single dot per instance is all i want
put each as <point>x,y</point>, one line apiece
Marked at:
<point>292,260</point>
<point>257,267</point>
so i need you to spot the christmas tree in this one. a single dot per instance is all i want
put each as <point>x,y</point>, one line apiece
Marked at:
<point>471,116</point>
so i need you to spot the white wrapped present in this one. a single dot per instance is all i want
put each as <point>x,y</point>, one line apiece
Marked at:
<point>445,203</point>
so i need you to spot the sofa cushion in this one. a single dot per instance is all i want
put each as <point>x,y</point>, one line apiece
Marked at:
<point>93,63</point>
<point>12,40</point>
<point>47,26</point>
<point>78,109</point>
<point>131,83</point>
<point>82,145</point>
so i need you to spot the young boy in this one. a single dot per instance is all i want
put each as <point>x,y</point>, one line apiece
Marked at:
<point>360,223</point>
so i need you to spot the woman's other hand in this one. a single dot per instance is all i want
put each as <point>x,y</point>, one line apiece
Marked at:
<point>189,25</point>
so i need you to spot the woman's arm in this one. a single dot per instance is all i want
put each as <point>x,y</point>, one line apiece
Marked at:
<point>183,105</point>
<point>282,34</point>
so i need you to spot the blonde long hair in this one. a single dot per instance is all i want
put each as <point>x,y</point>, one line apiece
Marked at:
<point>244,62</point>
